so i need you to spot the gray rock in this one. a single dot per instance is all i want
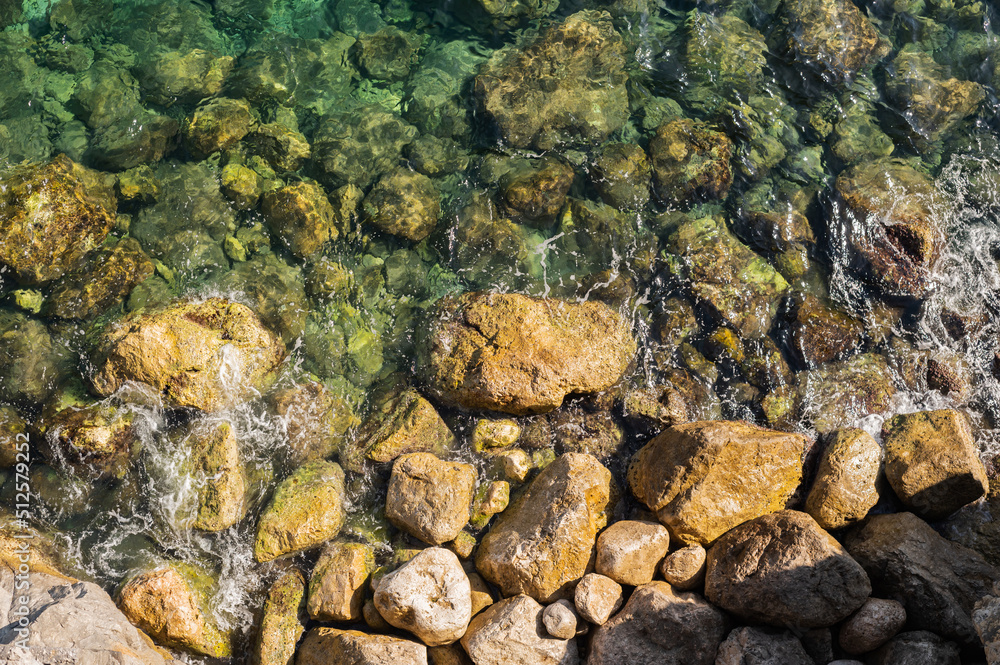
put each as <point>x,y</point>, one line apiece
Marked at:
<point>917,648</point>
<point>685,568</point>
<point>560,619</point>
<point>872,626</point>
<point>746,646</point>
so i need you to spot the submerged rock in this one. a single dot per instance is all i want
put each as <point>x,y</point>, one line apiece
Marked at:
<point>502,16</point>
<point>690,161</point>
<point>184,77</point>
<point>54,214</point>
<point>704,478</point>
<point>621,174</point>
<point>886,214</point>
<point>357,146</point>
<point>839,393</point>
<point>832,35</point>
<point>520,355</point>
<point>32,363</point>
<point>171,602</point>
<point>388,54</point>
<point>302,216</point>
<point>659,625</point>
<point>93,440</point>
<point>305,511</point>
<point>102,283</point>
<point>544,543</point>
<point>784,570</point>
<point>217,475</point>
<point>429,498</point>
<point>566,87</point>
<point>404,203</point>
<point>724,60</point>
<point>536,191</point>
<point>315,421</point>
<point>206,355</point>
<point>217,125</point>
<point>512,632</point>
<point>822,332</point>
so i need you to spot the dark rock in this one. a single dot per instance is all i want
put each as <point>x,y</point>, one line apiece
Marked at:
<point>690,161</point>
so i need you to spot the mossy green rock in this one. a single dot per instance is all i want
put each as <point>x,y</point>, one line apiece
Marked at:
<point>536,190</point>
<point>52,215</point>
<point>13,435</point>
<point>690,161</point>
<point>822,332</point>
<point>723,57</point>
<point>404,203</point>
<point>306,510</point>
<point>103,282</point>
<point>218,124</point>
<point>281,625</point>
<point>737,286</point>
<point>566,87</point>
<point>92,439</point>
<point>217,473</point>
<point>832,35</point>
<point>315,420</point>
<point>302,216</point>
<point>355,147</point>
<point>32,363</point>
<point>621,174</point>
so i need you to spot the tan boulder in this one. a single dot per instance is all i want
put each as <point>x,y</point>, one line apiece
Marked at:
<point>170,604</point>
<point>331,646</point>
<point>206,355</point>
<point>845,486</point>
<point>544,543</point>
<point>306,510</point>
<point>628,551</point>
<point>217,124</point>
<point>337,585</point>
<point>658,625</point>
<point>302,216</point>
<point>705,478</point>
<point>430,498</point>
<point>597,597</point>
<point>512,632</point>
<point>517,354</point>
<point>932,462</point>
<point>783,569</point>
<point>429,595</point>
<point>281,623</point>
<point>217,475</point>
<point>685,568</point>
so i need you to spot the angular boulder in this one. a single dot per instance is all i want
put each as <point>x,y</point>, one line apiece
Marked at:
<point>629,551</point>
<point>429,498</point>
<point>690,161</point>
<point>659,626</point>
<point>937,581</point>
<point>932,462</point>
<point>544,543</point>
<point>566,87</point>
<point>518,354</point>
<point>338,582</point>
<point>205,355</point>
<point>784,570</point>
<point>705,478</point>
<point>512,632</point>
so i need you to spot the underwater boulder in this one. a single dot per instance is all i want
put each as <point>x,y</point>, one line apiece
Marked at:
<point>723,60</point>
<point>832,35</point>
<point>184,77</point>
<point>493,16</point>
<point>536,190</point>
<point>520,355</point>
<point>403,203</point>
<point>836,394</point>
<point>314,419</point>
<point>216,125</point>
<point>103,282</point>
<point>283,148</point>
<point>389,54</point>
<point>205,355</point>
<point>301,215</point>
<point>820,331</point>
<point>569,86</point>
<point>621,174</point>
<point>690,161</point>
<point>32,362</point>
<point>359,145</point>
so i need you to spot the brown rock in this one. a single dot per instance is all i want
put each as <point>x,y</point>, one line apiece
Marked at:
<point>871,626</point>
<point>937,581</point>
<point>544,543</point>
<point>521,355</point>
<point>188,352</point>
<point>704,478</point>
<point>685,568</point>
<point>915,648</point>
<point>404,203</point>
<point>629,551</point>
<point>833,35</point>
<point>761,647</point>
<point>597,597</point>
<point>539,192</point>
<point>932,462</point>
<point>660,627</point>
<point>103,282</point>
<point>302,216</point>
<point>845,486</point>
<point>283,148</point>
<point>690,161</point>
<point>621,175</point>
<point>337,585</point>
<point>429,498</point>
<point>512,632</point>
<point>331,646</point>
<point>784,570</point>
<point>821,332</point>
<point>216,125</point>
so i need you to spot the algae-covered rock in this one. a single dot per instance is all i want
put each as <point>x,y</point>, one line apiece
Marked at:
<point>429,498</point>
<point>404,203</point>
<point>521,355</point>
<point>832,35</point>
<point>217,125</point>
<point>690,161</point>
<point>273,288</point>
<point>404,423</point>
<point>104,281</point>
<point>784,570</point>
<point>932,462</point>
<point>171,603</point>
<point>820,331</point>
<point>356,147</point>
<point>724,59</point>
<point>543,544</point>
<point>281,624</point>
<point>704,478</point>
<point>314,419</point>
<point>886,216</point>
<point>536,191</point>
<point>435,156</point>
<point>388,54</point>
<point>283,148</point>
<point>512,632</point>
<point>14,436</point>
<point>53,215</point>
<point>839,393</point>
<point>566,87</point>
<point>488,244</point>
<point>184,77</point>
<point>338,582</point>
<point>32,363</point>
<point>93,440</point>
<point>846,486</point>
<point>736,285</point>
<point>621,174</point>
<point>216,472</point>
<point>332,646</point>
<point>302,216</point>
<point>502,16</point>
<point>932,102</point>
<point>306,510</point>
<point>207,355</point>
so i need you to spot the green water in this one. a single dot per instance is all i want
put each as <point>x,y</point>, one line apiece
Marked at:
<point>378,87</point>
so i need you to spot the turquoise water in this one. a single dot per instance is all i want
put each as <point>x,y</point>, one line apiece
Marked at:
<point>550,203</point>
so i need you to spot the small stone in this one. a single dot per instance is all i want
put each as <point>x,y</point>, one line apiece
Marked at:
<point>560,619</point>
<point>332,646</point>
<point>597,597</point>
<point>241,185</point>
<point>284,149</point>
<point>629,551</point>
<point>482,597</point>
<point>337,585</point>
<point>281,623</point>
<point>495,433</point>
<point>515,464</point>
<point>404,203</point>
<point>873,625</point>
<point>512,632</point>
<point>845,487</point>
<point>217,125</point>
<point>429,596</point>
<point>429,498</point>
<point>463,545</point>
<point>685,568</point>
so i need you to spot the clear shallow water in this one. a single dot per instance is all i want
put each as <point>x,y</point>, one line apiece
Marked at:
<point>80,82</point>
